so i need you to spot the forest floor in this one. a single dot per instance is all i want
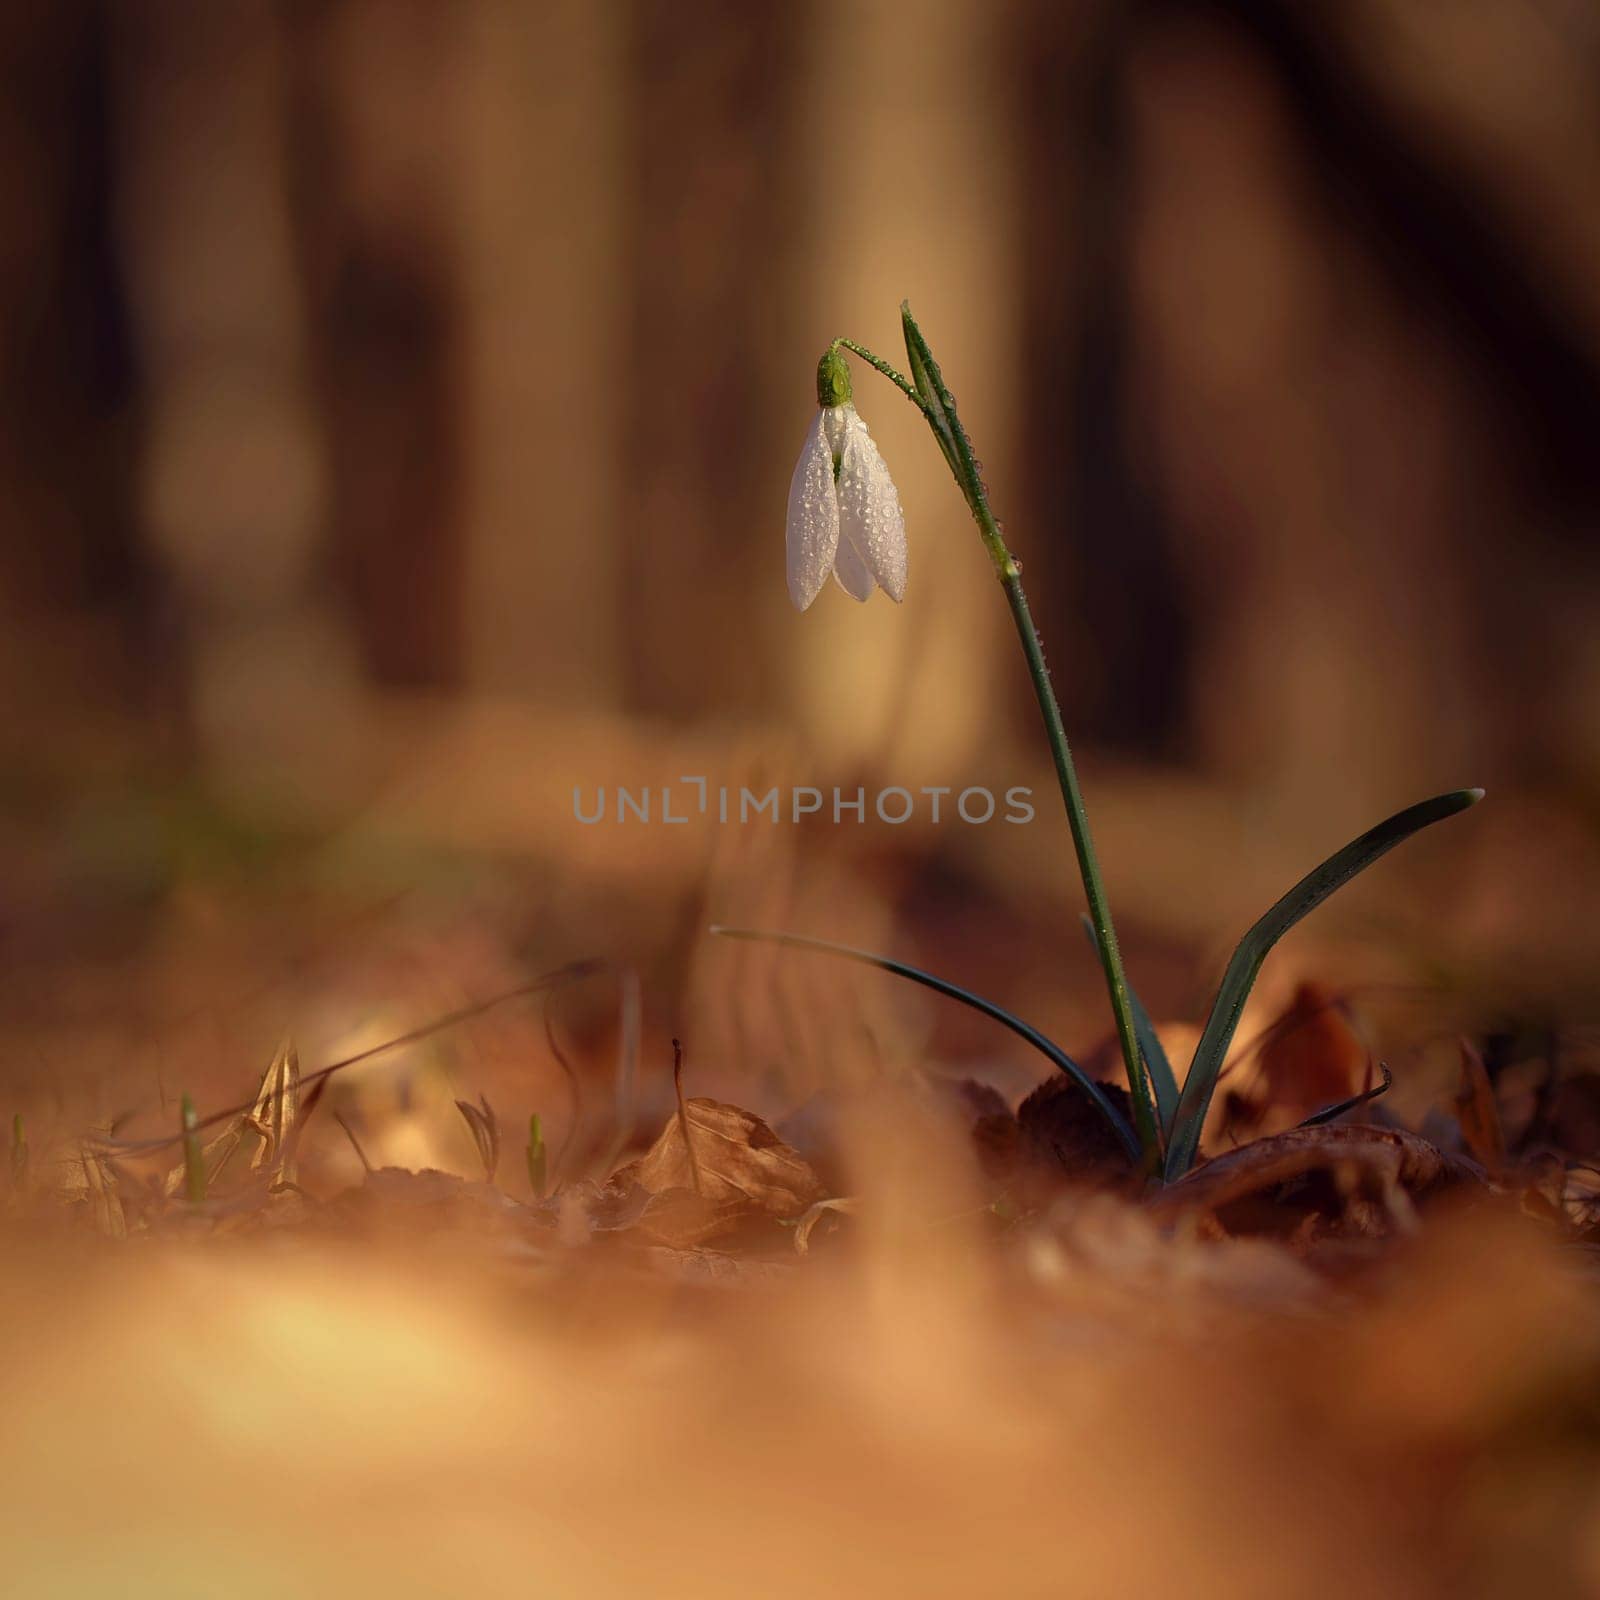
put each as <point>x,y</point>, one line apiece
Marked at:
<point>915,1329</point>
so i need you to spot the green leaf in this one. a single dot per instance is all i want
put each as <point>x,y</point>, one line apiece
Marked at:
<point>1156,1063</point>
<point>929,384</point>
<point>1240,977</point>
<point>1046,1047</point>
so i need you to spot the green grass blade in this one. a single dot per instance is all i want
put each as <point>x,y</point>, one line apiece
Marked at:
<point>1046,1047</point>
<point>1240,977</point>
<point>1156,1063</point>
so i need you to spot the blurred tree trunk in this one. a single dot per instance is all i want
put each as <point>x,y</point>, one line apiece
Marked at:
<point>233,492</point>
<point>715,238</point>
<point>376,136</point>
<point>1311,337</point>
<point>550,370</point>
<point>76,601</point>
<point>1109,590</point>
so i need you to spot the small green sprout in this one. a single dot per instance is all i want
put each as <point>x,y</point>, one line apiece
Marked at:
<point>536,1156</point>
<point>194,1163</point>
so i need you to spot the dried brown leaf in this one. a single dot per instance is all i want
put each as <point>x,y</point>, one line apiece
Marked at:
<point>735,1157</point>
<point>100,1183</point>
<point>485,1129</point>
<point>1064,1129</point>
<point>684,1220</point>
<point>276,1108</point>
<point>1478,1112</point>
<point>271,1118</point>
<point>1309,1183</point>
<point>1312,1054</point>
<point>808,1223</point>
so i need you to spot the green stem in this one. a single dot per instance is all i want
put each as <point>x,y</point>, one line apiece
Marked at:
<point>1088,863</point>
<point>928,393</point>
<point>897,378</point>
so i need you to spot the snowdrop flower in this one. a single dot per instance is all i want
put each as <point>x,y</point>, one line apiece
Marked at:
<point>844,514</point>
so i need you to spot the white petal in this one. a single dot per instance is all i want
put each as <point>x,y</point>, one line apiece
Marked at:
<point>836,422</point>
<point>854,575</point>
<point>812,536</point>
<point>870,518</point>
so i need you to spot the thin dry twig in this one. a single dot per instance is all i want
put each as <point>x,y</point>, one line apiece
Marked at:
<point>575,1088</point>
<point>573,972</point>
<point>683,1117</point>
<point>355,1143</point>
<point>627,1098</point>
<point>1332,1113</point>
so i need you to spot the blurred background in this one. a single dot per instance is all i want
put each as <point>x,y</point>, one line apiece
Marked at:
<point>397,406</point>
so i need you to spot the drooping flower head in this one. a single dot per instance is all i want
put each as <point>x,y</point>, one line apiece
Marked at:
<point>844,514</point>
